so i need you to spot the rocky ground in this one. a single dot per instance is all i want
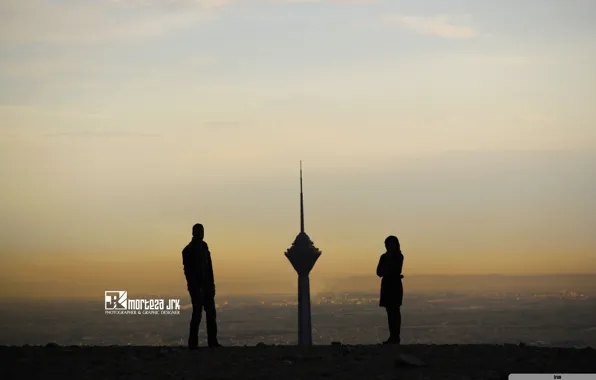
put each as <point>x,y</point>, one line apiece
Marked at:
<point>288,363</point>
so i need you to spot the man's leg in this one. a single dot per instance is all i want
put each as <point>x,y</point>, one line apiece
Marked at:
<point>210,313</point>
<point>195,320</point>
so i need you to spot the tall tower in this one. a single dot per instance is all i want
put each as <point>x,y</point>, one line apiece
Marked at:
<point>303,255</point>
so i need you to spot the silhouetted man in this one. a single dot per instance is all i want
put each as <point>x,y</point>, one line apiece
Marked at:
<point>392,291</point>
<point>198,270</point>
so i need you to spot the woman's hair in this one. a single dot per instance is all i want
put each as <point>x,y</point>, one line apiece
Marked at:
<point>394,240</point>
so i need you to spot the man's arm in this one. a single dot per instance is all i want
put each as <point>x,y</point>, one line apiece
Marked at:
<point>209,280</point>
<point>190,269</point>
<point>210,276</point>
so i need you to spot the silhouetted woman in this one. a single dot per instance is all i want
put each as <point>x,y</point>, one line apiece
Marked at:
<point>392,291</point>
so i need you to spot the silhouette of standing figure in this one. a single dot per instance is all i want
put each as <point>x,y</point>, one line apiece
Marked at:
<point>198,270</point>
<point>392,291</point>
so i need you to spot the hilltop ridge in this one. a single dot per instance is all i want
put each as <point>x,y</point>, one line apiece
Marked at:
<point>290,362</point>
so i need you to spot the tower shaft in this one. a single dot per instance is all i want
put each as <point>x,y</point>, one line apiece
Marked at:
<point>304,321</point>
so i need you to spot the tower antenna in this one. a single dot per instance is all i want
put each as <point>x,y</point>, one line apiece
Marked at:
<point>301,202</point>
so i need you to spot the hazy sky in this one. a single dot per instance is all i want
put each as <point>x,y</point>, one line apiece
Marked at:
<point>466,128</point>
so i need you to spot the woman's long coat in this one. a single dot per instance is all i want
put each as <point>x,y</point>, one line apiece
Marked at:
<point>389,269</point>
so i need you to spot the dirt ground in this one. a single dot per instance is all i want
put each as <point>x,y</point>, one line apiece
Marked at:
<point>288,363</point>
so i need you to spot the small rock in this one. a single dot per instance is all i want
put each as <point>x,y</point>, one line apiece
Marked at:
<point>522,345</point>
<point>336,344</point>
<point>405,360</point>
<point>52,345</point>
<point>261,344</point>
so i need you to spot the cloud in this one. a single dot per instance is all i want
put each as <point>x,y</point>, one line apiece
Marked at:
<point>73,21</point>
<point>11,113</point>
<point>224,123</point>
<point>38,21</point>
<point>212,4</point>
<point>172,4</point>
<point>535,117</point>
<point>499,59</point>
<point>71,65</point>
<point>98,134</point>
<point>439,26</point>
<point>324,1</point>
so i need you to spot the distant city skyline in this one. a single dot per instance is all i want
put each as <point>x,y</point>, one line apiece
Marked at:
<point>348,318</point>
<point>465,128</point>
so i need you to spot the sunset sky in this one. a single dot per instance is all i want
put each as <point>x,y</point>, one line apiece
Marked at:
<point>465,127</point>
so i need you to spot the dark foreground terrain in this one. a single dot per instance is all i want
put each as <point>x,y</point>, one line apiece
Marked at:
<point>285,363</point>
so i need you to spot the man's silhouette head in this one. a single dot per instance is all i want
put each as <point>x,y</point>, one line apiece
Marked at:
<point>198,231</point>
<point>392,244</point>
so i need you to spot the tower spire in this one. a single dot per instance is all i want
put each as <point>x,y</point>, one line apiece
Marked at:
<point>301,202</point>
